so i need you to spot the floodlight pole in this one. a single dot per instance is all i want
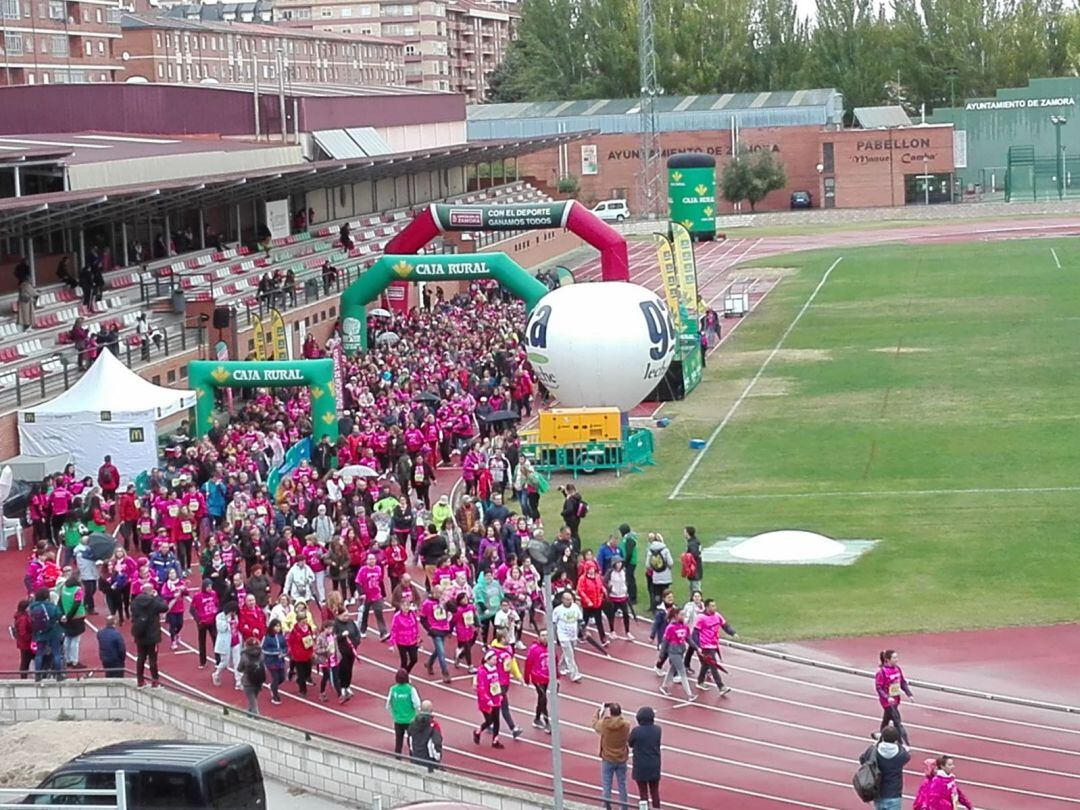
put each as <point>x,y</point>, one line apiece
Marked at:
<point>553,697</point>
<point>1059,156</point>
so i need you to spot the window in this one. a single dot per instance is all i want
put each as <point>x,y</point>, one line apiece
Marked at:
<point>112,16</point>
<point>365,11</point>
<point>101,48</point>
<point>89,48</point>
<point>10,9</point>
<point>28,43</point>
<point>58,45</point>
<point>326,12</point>
<point>161,71</point>
<point>346,11</point>
<point>98,16</point>
<point>13,44</point>
<point>827,159</point>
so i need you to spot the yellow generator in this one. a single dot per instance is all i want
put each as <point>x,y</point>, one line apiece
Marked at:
<point>562,426</point>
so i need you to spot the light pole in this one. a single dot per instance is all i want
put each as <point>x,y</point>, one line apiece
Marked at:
<point>553,698</point>
<point>1059,155</point>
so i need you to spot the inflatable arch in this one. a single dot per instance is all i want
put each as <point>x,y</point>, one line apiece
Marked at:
<point>205,376</point>
<point>569,214</point>
<point>448,267</point>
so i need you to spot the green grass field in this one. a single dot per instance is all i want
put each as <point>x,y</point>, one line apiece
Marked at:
<point>917,372</point>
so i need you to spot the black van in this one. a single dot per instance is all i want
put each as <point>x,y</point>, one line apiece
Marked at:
<point>160,774</point>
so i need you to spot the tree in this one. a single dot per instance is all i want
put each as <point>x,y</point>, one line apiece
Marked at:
<point>750,176</point>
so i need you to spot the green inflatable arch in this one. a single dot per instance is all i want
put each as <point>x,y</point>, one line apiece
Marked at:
<point>390,268</point>
<point>205,376</point>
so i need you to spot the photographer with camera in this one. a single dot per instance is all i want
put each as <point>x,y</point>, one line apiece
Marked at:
<point>614,731</point>
<point>574,510</point>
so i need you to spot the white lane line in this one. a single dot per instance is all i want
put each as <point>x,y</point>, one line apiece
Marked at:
<point>750,386</point>
<point>1056,261</point>
<point>897,493</point>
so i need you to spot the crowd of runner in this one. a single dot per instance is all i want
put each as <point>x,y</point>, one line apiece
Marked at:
<point>280,589</point>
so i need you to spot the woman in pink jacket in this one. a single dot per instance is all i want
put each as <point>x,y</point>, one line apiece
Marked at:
<point>538,673</point>
<point>489,697</point>
<point>941,792</point>
<point>204,609</point>
<point>405,635</point>
<point>889,684</point>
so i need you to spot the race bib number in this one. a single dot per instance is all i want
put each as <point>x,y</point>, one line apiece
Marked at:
<point>185,527</point>
<point>174,511</point>
<point>469,619</point>
<point>145,527</point>
<point>418,475</point>
<point>439,614</point>
<point>193,506</point>
<point>894,690</point>
<point>308,642</point>
<point>495,688</point>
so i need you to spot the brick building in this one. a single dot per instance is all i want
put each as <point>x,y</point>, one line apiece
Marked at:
<point>842,168</point>
<point>57,41</point>
<point>450,45</point>
<point>167,49</point>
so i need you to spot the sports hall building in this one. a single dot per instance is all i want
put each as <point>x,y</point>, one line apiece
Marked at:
<point>886,160</point>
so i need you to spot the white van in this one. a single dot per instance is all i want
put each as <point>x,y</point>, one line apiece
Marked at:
<point>612,210</point>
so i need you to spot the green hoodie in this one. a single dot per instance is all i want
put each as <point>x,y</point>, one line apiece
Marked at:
<point>403,703</point>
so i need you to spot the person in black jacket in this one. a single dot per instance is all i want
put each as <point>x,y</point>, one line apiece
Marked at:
<point>891,759</point>
<point>571,513</point>
<point>693,548</point>
<point>645,744</point>
<point>146,610</point>
<point>322,457</point>
<point>425,737</point>
<point>111,649</point>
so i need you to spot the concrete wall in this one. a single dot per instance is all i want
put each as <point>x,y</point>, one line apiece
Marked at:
<point>347,774</point>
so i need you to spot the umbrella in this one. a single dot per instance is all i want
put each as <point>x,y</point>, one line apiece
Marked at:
<point>427,396</point>
<point>499,416</point>
<point>358,471</point>
<point>101,545</point>
<point>389,338</point>
<point>379,313</point>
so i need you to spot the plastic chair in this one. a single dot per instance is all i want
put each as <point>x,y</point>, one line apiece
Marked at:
<point>11,526</point>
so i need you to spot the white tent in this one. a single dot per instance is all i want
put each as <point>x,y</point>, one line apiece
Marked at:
<point>112,411</point>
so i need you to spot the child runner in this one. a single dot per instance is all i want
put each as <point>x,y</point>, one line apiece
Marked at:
<point>327,659</point>
<point>707,628</point>
<point>538,674</point>
<point>489,698</point>
<point>676,639</point>
<point>889,683</point>
<point>403,702</point>
<point>274,650</point>
<point>405,635</point>
<point>174,590</point>
<point>301,646</point>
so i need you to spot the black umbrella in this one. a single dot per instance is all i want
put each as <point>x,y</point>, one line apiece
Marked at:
<point>427,396</point>
<point>101,545</point>
<point>500,416</point>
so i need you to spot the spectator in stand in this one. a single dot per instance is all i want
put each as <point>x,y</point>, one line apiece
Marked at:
<point>86,284</point>
<point>645,743</point>
<point>614,731</point>
<point>63,273</point>
<point>111,649</point>
<point>27,297</point>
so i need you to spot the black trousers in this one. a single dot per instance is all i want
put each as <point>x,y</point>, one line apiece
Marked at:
<point>541,702</point>
<point>596,615</point>
<point>206,630</point>
<point>491,721</point>
<point>891,714</point>
<point>399,736</point>
<point>147,654</point>
<point>303,675</point>
<point>408,654</point>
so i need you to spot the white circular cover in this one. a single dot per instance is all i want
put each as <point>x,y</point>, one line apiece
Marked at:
<point>787,545</point>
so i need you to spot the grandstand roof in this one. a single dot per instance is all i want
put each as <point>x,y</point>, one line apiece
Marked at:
<point>674,113</point>
<point>40,213</point>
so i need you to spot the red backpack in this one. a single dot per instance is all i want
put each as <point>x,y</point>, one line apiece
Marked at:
<point>689,566</point>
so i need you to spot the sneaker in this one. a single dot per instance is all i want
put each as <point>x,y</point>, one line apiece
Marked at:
<point>497,744</point>
<point>322,698</point>
<point>539,725</point>
<point>605,642</point>
<point>237,687</point>
<point>691,698</point>
<point>520,645</point>
<point>577,679</point>
<point>659,672</point>
<point>704,685</point>
<point>275,701</point>
<point>384,637</point>
<point>472,670</point>
<point>664,691</point>
<point>202,666</point>
<point>725,690</point>
<point>156,686</point>
<point>215,678</point>
<point>516,732</point>
<point>629,637</point>
<point>476,737</point>
<point>446,678</point>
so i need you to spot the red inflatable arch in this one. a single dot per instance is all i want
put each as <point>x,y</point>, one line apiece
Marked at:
<point>439,218</point>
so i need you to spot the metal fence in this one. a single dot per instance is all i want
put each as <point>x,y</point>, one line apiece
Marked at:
<point>21,797</point>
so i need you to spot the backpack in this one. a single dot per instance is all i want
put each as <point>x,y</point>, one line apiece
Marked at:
<point>140,623</point>
<point>867,779</point>
<point>689,565</point>
<point>656,560</point>
<point>582,509</point>
<point>39,618</point>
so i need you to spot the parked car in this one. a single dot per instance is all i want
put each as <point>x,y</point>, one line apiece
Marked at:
<point>801,199</point>
<point>163,773</point>
<point>612,210</point>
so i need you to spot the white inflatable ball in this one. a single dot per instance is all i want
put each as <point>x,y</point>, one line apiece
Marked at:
<point>605,344</point>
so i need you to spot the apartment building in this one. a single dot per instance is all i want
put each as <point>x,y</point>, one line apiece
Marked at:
<point>59,41</point>
<point>449,45</point>
<point>167,49</point>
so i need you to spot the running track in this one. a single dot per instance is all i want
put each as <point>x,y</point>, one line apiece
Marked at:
<point>786,737</point>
